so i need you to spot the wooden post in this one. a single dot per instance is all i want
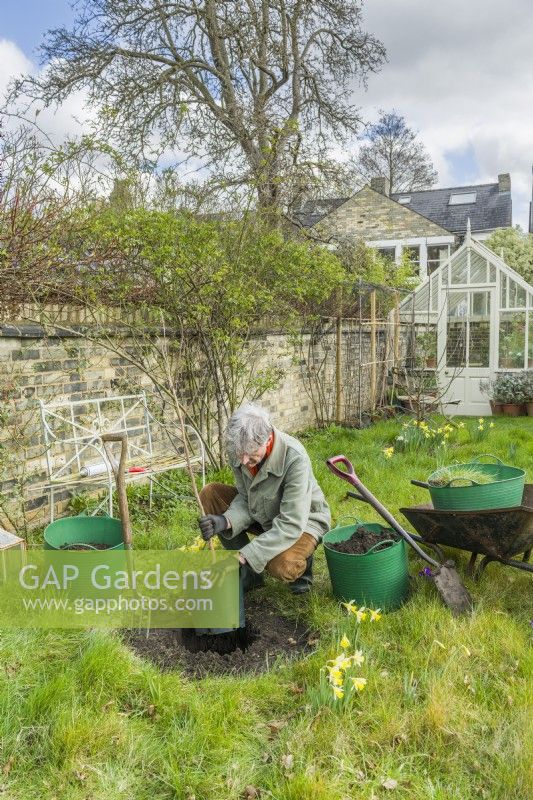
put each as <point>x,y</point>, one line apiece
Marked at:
<point>396,345</point>
<point>373,349</point>
<point>338,371</point>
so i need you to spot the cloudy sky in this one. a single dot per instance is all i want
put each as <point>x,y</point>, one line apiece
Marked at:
<point>460,71</point>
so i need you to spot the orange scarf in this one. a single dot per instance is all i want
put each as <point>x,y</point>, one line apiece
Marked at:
<point>270,444</point>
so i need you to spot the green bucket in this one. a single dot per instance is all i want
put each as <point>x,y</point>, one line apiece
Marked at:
<point>83,530</point>
<point>504,491</point>
<point>379,578</point>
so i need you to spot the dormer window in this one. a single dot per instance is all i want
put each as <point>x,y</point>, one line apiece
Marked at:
<point>404,200</point>
<point>462,199</point>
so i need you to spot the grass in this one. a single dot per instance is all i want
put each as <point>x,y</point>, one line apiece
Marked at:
<point>446,713</point>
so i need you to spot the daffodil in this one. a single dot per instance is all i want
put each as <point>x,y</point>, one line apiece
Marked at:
<point>481,420</point>
<point>480,428</point>
<point>345,642</point>
<point>336,677</point>
<point>388,452</point>
<point>359,684</point>
<point>358,658</point>
<point>338,692</point>
<point>460,424</point>
<point>375,615</point>
<point>350,607</point>
<point>361,614</point>
<point>491,424</point>
<point>341,662</point>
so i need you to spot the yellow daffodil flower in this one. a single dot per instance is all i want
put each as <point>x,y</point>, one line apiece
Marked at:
<point>460,424</point>
<point>338,692</point>
<point>358,658</point>
<point>359,684</point>
<point>350,607</point>
<point>481,420</point>
<point>361,614</point>
<point>388,452</point>
<point>375,616</point>
<point>491,424</point>
<point>336,677</point>
<point>341,662</point>
<point>345,642</point>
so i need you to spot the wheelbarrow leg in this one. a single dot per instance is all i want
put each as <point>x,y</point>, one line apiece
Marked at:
<point>471,565</point>
<point>526,556</point>
<point>482,566</point>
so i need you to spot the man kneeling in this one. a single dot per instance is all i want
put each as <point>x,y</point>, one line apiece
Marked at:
<point>276,497</point>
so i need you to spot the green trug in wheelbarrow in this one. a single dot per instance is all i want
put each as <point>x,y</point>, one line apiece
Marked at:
<point>504,491</point>
<point>65,533</point>
<point>378,578</point>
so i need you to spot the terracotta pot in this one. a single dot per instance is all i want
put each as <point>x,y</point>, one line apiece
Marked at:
<point>513,409</point>
<point>496,408</point>
<point>529,407</point>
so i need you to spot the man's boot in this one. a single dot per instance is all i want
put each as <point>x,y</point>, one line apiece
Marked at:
<point>303,584</point>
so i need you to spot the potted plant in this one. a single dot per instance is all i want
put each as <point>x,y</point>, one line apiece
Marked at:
<point>486,386</point>
<point>527,386</point>
<point>508,389</point>
<point>427,348</point>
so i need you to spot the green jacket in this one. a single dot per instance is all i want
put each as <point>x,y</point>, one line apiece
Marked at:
<point>284,498</point>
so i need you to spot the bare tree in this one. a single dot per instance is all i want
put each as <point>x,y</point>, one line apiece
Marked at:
<point>257,89</point>
<point>394,152</point>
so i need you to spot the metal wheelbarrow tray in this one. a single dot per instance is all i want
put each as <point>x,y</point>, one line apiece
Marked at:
<point>497,534</point>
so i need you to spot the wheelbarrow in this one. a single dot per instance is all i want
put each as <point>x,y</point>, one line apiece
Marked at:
<point>444,575</point>
<point>497,534</point>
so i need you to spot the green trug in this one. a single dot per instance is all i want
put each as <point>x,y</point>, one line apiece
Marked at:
<point>378,579</point>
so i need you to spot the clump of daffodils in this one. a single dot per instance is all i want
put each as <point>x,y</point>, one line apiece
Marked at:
<point>480,431</point>
<point>362,613</point>
<point>420,435</point>
<point>341,679</point>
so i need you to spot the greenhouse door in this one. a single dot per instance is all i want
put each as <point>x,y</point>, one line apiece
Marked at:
<point>466,344</point>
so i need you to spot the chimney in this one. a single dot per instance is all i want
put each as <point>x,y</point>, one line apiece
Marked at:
<point>504,182</point>
<point>379,185</point>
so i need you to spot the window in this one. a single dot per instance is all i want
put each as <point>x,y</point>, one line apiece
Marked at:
<point>388,253</point>
<point>404,200</point>
<point>413,251</point>
<point>437,256</point>
<point>462,199</point>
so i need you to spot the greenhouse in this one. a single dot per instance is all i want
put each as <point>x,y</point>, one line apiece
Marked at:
<point>474,320</point>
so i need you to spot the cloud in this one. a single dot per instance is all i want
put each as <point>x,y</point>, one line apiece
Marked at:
<point>71,118</point>
<point>460,74</point>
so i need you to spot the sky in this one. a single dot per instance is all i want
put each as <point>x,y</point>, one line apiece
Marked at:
<point>460,71</point>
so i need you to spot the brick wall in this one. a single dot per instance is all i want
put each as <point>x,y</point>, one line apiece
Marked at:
<point>67,367</point>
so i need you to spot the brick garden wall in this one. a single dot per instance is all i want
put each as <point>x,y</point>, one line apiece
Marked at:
<point>66,367</point>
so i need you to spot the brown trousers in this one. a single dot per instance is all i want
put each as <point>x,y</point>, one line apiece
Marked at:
<point>286,566</point>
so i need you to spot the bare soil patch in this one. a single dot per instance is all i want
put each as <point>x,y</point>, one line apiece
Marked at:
<point>271,635</point>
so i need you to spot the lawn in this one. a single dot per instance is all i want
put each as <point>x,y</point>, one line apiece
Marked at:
<point>446,712</point>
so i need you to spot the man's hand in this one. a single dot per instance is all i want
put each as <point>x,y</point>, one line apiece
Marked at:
<point>212,524</point>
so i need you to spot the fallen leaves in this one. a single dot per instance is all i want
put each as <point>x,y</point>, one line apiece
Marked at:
<point>390,784</point>
<point>250,793</point>
<point>287,761</point>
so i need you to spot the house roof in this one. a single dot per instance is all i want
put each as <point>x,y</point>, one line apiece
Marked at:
<point>492,209</point>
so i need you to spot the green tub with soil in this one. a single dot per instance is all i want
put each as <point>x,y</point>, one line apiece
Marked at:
<point>84,533</point>
<point>476,486</point>
<point>378,578</point>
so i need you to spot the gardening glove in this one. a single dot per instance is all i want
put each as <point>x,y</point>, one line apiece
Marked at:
<point>212,524</point>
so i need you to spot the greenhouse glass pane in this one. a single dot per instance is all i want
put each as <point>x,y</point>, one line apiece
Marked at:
<point>530,341</point>
<point>422,298</point>
<point>435,293</point>
<point>459,269</point>
<point>517,295</point>
<point>492,273</point>
<point>478,268</point>
<point>512,340</point>
<point>456,329</point>
<point>503,291</point>
<point>479,336</point>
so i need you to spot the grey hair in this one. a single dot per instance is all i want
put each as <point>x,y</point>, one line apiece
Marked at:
<point>248,428</point>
